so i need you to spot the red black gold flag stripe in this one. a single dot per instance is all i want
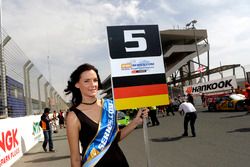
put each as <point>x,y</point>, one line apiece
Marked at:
<point>144,101</point>
<point>137,80</point>
<point>137,91</point>
<point>140,90</point>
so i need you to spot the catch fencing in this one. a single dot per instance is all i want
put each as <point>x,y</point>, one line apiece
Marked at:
<point>24,90</point>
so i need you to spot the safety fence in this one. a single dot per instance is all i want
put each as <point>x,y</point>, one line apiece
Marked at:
<point>24,90</point>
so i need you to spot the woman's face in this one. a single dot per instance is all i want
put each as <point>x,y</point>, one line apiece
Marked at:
<point>88,83</point>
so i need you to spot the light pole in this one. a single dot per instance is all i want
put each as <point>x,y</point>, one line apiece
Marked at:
<point>196,46</point>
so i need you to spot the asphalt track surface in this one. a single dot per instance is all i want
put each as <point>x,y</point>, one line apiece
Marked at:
<point>223,140</point>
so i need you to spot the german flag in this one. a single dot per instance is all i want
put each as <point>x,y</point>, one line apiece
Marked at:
<point>140,91</point>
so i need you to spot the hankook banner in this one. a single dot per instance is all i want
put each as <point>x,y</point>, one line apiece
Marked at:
<point>223,84</point>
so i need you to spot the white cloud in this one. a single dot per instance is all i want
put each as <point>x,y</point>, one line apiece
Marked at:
<point>228,34</point>
<point>209,3</point>
<point>167,7</point>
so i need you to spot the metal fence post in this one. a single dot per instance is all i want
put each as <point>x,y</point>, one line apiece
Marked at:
<point>39,93</point>
<point>26,85</point>
<point>29,90</point>
<point>60,102</point>
<point>55,98</point>
<point>51,100</point>
<point>57,102</point>
<point>46,94</point>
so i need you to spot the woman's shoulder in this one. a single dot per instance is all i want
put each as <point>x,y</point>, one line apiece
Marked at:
<point>71,114</point>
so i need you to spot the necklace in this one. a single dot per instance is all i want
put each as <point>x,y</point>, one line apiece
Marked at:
<point>89,103</point>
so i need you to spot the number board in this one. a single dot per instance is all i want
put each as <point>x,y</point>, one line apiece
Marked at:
<point>137,67</point>
<point>134,41</point>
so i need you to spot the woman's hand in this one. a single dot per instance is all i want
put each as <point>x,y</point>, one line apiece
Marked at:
<point>141,114</point>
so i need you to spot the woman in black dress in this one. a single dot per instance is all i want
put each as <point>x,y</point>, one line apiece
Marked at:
<point>86,118</point>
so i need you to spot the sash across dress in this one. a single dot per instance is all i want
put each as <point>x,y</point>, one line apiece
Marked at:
<point>89,128</point>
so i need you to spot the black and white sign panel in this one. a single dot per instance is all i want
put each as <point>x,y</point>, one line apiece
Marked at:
<point>133,41</point>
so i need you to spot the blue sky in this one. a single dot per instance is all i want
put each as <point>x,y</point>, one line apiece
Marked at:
<point>73,32</point>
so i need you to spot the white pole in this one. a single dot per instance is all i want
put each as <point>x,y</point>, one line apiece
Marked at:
<point>147,150</point>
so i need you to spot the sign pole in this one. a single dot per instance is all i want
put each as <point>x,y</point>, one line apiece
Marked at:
<point>147,150</point>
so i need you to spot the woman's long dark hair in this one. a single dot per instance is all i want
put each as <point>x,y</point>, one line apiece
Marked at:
<point>74,78</point>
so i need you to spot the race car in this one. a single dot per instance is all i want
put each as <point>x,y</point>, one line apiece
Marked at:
<point>227,103</point>
<point>123,119</point>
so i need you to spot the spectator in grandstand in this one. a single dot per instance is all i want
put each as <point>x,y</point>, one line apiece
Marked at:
<point>93,121</point>
<point>189,116</point>
<point>47,130</point>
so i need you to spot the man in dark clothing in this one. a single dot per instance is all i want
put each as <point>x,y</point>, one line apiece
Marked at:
<point>190,98</point>
<point>203,99</point>
<point>170,108</point>
<point>152,114</point>
<point>47,130</point>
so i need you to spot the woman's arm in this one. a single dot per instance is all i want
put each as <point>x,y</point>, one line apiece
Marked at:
<point>142,113</point>
<point>73,127</point>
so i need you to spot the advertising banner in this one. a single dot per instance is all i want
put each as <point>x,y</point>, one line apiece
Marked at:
<point>18,135</point>
<point>223,84</point>
<point>137,67</point>
<point>10,143</point>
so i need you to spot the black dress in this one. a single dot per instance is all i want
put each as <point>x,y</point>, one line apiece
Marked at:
<point>114,156</point>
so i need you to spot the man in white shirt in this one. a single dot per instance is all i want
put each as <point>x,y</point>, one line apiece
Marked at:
<point>190,115</point>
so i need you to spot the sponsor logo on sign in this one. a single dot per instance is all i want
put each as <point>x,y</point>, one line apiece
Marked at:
<point>127,66</point>
<point>9,146</point>
<point>213,86</point>
<point>224,84</point>
<point>138,66</point>
<point>189,90</point>
<point>8,140</point>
